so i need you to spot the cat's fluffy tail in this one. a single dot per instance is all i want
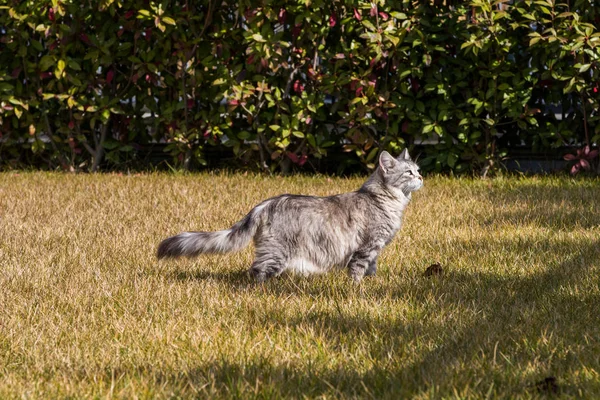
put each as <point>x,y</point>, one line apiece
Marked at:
<point>191,244</point>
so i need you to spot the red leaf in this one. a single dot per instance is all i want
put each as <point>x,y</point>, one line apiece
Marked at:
<point>593,154</point>
<point>584,163</point>
<point>373,11</point>
<point>575,169</point>
<point>109,76</point>
<point>357,15</point>
<point>292,157</point>
<point>383,15</point>
<point>51,14</point>
<point>281,16</point>
<point>595,90</point>
<point>414,83</point>
<point>296,31</point>
<point>190,103</point>
<point>569,157</point>
<point>586,150</point>
<point>16,72</point>
<point>84,38</point>
<point>332,20</point>
<point>298,87</point>
<point>129,14</point>
<point>405,126</point>
<point>302,159</point>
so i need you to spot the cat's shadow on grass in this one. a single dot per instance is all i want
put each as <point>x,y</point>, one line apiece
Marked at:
<point>236,279</point>
<point>334,283</point>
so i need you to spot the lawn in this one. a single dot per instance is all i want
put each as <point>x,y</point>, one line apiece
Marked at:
<point>86,310</point>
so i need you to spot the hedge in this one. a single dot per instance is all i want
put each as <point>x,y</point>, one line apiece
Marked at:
<point>86,85</point>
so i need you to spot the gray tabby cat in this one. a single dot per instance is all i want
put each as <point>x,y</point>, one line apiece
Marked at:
<point>315,234</point>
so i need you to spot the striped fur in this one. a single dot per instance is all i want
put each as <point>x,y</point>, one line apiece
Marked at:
<point>310,234</point>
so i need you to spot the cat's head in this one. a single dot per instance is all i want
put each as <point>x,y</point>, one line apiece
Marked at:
<point>400,173</point>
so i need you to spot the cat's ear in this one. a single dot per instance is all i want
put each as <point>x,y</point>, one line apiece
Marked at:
<point>386,161</point>
<point>404,155</point>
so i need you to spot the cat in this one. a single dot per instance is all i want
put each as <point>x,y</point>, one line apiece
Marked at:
<point>311,234</point>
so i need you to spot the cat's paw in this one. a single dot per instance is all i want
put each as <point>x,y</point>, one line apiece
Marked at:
<point>372,271</point>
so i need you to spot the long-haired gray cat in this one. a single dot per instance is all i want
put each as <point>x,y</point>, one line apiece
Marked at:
<point>315,234</point>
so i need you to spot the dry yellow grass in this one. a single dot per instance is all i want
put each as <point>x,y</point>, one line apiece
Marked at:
<point>86,311</point>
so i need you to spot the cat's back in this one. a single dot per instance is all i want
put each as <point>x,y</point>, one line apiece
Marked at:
<point>327,204</point>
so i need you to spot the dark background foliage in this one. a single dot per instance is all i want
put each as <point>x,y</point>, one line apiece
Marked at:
<point>281,85</point>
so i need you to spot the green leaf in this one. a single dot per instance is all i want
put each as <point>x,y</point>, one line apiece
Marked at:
<point>168,20</point>
<point>367,24</point>
<point>46,62</point>
<point>110,144</point>
<point>398,15</point>
<point>6,87</point>
<point>74,65</point>
<point>298,134</point>
<point>60,68</point>
<point>274,128</point>
<point>452,158</point>
<point>584,67</point>
<point>372,153</point>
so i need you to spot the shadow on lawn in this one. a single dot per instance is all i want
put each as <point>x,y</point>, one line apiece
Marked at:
<point>512,326</point>
<point>239,279</point>
<point>564,206</point>
<point>525,320</point>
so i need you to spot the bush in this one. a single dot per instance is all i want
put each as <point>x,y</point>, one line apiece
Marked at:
<point>85,85</point>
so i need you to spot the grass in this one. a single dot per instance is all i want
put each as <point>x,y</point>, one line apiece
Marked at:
<point>86,311</point>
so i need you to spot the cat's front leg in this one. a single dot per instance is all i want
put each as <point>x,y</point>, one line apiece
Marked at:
<point>363,262</point>
<point>372,268</point>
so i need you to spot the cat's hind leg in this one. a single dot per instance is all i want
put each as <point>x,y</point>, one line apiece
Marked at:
<point>270,261</point>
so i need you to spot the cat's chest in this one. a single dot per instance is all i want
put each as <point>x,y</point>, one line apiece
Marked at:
<point>385,228</point>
